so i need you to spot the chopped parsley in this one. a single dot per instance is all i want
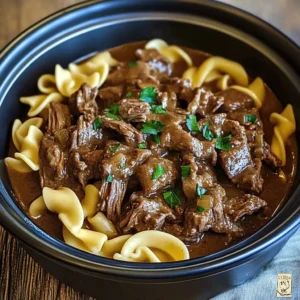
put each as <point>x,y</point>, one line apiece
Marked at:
<point>112,116</point>
<point>172,198</point>
<point>158,171</point>
<point>192,124</point>
<point>250,118</point>
<point>109,178</point>
<point>158,109</point>
<point>185,171</point>
<point>142,146</point>
<point>223,143</point>
<point>200,191</point>
<point>97,123</point>
<point>132,64</point>
<point>129,95</point>
<point>122,165</point>
<point>152,127</point>
<point>156,139</point>
<point>114,148</point>
<point>207,133</point>
<point>200,209</point>
<point>113,109</point>
<point>148,94</point>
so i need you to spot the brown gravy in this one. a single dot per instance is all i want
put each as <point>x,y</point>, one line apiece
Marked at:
<point>275,192</point>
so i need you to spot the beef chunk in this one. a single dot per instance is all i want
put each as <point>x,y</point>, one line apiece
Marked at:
<point>83,102</point>
<point>54,170</point>
<point>85,165</point>
<point>130,133</point>
<point>236,100</point>
<point>132,75</point>
<point>167,119</point>
<point>59,117</point>
<point>204,102</point>
<point>145,173</point>
<point>175,84</point>
<point>175,138</point>
<point>111,94</point>
<point>270,158</point>
<point>85,135</point>
<point>116,168</point>
<point>237,207</point>
<point>146,213</point>
<point>168,100</point>
<point>133,110</point>
<point>237,162</point>
<point>215,123</point>
<point>158,63</point>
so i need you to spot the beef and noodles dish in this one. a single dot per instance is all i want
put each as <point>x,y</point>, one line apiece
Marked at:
<point>152,152</point>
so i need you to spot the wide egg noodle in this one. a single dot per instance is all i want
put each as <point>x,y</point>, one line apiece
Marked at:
<point>27,138</point>
<point>139,247</point>
<point>47,84</point>
<point>100,223</point>
<point>219,64</point>
<point>39,102</point>
<point>68,83</point>
<point>285,126</point>
<point>173,53</point>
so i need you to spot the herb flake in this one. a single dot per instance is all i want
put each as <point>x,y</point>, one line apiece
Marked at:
<point>97,123</point>
<point>113,109</point>
<point>109,178</point>
<point>112,116</point>
<point>192,124</point>
<point>128,95</point>
<point>200,209</point>
<point>158,171</point>
<point>185,171</point>
<point>114,148</point>
<point>148,94</point>
<point>223,143</point>
<point>172,198</point>
<point>207,133</point>
<point>200,191</point>
<point>250,118</point>
<point>158,109</point>
<point>122,165</point>
<point>152,127</point>
<point>132,64</point>
<point>142,146</point>
<point>156,139</point>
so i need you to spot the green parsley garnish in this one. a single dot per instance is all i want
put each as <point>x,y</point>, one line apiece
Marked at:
<point>192,124</point>
<point>148,94</point>
<point>185,171</point>
<point>250,118</point>
<point>113,109</point>
<point>109,178</point>
<point>142,146</point>
<point>158,171</point>
<point>200,208</point>
<point>156,139</point>
<point>97,123</point>
<point>172,198</point>
<point>223,143</point>
<point>132,64</point>
<point>112,116</point>
<point>200,191</point>
<point>128,95</point>
<point>152,127</point>
<point>114,148</point>
<point>122,165</point>
<point>207,133</point>
<point>158,109</point>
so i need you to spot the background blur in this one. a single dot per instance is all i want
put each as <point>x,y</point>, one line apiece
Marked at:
<point>20,276</point>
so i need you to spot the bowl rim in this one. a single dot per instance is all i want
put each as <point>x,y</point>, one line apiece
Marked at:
<point>141,269</point>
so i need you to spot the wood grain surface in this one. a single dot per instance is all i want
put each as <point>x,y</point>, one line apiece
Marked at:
<point>20,276</point>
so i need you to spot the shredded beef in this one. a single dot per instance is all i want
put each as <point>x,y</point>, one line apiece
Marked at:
<point>133,110</point>
<point>59,117</point>
<point>146,213</point>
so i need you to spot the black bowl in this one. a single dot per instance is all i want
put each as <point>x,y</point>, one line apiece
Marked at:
<point>92,26</point>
